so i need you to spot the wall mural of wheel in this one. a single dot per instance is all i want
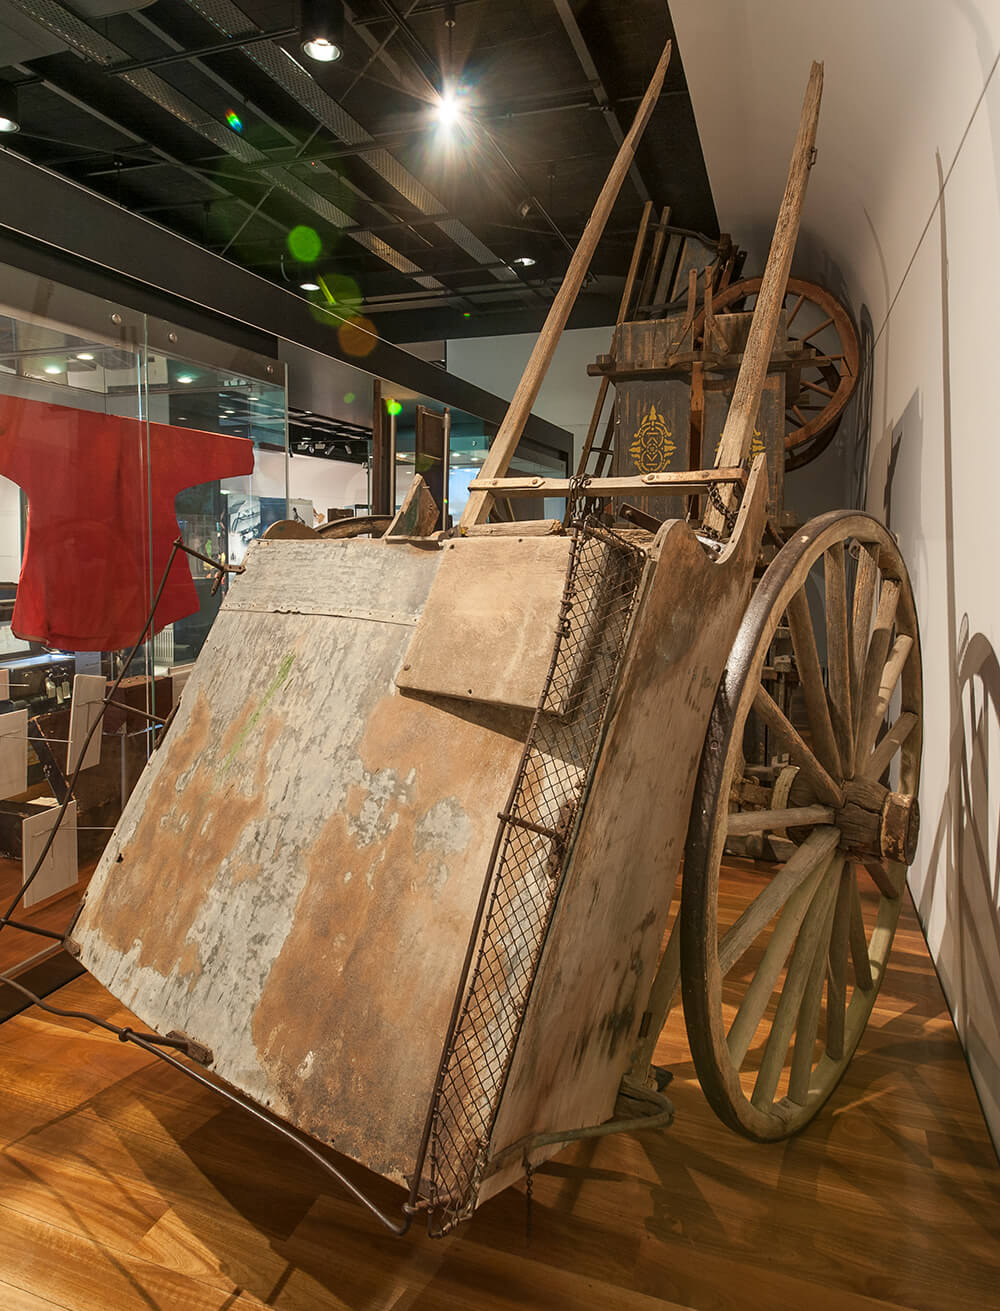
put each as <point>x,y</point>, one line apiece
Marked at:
<point>821,330</point>
<point>776,999</point>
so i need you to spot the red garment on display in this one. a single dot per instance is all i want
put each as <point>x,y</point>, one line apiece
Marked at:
<point>95,489</point>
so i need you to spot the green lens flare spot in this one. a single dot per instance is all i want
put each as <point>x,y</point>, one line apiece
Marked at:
<point>304,243</point>
<point>394,407</point>
<point>466,315</point>
<point>234,120</point>
<point>349,398</point>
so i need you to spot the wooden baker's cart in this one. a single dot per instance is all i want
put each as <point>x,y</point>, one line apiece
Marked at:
<point>402,868</point>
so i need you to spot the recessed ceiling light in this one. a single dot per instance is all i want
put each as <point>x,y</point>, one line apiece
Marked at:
<point>53,368</point>
<point>10,119</point>
<point>309,286</point>
<point>185,377</point>
<point>323,29</point>
<point>525,261</point>
<point>85,355</point>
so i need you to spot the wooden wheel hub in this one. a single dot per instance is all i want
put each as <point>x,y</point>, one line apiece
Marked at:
<point>878,824</point>
<point>900,827</point>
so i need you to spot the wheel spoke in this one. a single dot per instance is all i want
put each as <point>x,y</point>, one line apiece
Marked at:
<point>810,945</point>
<point>859,942</point>
<point>871,680</point>
<point>661,999</point>
<point>861,618</point>
<point>881,757</point>
<point>838,650</point>
<point>779,723</point>
<point>768,821</point>
<point>814,386</point>
<point>819,328</point>
<point>794,310</point>
<point>817,849</point>
<point>807,1025</point>
<point>836,987</point>
<point>811,677</point>
<point>891,671</point>
<point>881,876</point>
<point>758,994</point>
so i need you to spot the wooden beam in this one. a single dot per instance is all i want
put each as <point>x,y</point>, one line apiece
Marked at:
<point>734,445</point>
<point>664,484</point>
<point>505,443</point>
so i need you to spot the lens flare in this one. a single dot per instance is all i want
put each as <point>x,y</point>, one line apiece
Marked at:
<point>349,398</point>
<point>304,243</point>
<point>393,407</point>
<point>234,120</point>
<point>357,336</point>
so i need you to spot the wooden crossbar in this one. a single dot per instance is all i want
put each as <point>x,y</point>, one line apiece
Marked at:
<point>682,483</point>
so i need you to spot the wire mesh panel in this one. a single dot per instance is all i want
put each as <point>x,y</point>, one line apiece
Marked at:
<point>529,861</point>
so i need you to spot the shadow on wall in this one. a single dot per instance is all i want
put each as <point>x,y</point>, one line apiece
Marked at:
<point>962,866</point>
<point>966,855</point>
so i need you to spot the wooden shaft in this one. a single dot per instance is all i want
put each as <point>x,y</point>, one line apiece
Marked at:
<point>738,431</point>
<point>759,821</point>
<point>602,392</point>
<point>505,443</point>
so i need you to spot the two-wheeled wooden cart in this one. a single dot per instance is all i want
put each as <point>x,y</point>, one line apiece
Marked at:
<point>401,870</point>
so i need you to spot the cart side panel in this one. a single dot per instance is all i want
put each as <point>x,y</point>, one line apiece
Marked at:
<point>294,880</point>
<point>602,950</point>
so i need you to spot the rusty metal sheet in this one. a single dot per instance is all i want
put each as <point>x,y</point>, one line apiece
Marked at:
<point>294,878</point>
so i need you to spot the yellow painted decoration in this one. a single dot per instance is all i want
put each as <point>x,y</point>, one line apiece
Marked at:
<point>651,446</point>
<point>756,445</point>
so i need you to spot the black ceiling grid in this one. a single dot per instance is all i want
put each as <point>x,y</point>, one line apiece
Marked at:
<point>435,232</point>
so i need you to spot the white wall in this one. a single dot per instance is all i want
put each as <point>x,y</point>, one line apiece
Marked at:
<point>567,396</point>
<point>904,210</point>
<point>329,484</point>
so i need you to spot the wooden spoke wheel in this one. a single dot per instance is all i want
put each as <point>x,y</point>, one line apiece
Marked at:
<point>363,525</point>
<point>777,997</point>
<point>822,333</point>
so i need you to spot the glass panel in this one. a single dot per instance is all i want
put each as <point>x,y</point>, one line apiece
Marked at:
<point>199,417</point>
<point>110,441</point>
<point>59,388</point>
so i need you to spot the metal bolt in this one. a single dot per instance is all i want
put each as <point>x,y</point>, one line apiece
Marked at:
<point>116,318</point>
<point>172,336</point>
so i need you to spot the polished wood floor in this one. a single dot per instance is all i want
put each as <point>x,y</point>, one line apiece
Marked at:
<point>123,1187</point>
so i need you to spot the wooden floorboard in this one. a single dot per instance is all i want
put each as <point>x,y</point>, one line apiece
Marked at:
<point>124,1187</point>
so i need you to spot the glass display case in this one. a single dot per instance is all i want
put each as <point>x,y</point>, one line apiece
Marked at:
<point>119,433</point>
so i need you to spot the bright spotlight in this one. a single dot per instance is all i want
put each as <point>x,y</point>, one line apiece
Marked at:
<point>449,110</point>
